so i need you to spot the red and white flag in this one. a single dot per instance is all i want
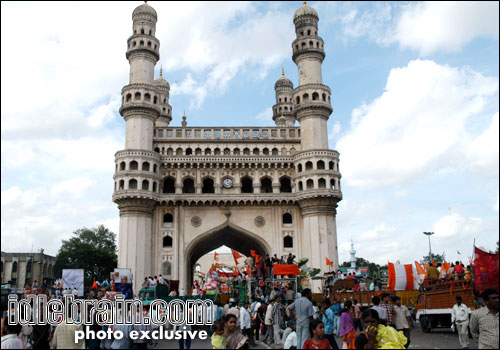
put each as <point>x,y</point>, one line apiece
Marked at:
<point>403,277</point>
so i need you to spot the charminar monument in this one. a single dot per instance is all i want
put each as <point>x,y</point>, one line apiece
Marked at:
<point>185,191</point>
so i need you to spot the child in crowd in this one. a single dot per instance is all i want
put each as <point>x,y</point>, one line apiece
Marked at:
<point>317,340</point>
<point>218,341</point>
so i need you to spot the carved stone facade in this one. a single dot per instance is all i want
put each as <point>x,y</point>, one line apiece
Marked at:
<point>184,191</point>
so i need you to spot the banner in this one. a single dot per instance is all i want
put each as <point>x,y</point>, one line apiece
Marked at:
<point>73,279</point>
<point>485,268</point>
<point>402,277</point>
<point>286,270</point>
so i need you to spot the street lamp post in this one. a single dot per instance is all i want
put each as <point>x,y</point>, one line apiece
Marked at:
<point>429,234</point>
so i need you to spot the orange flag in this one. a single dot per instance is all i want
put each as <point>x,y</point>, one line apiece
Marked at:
<point>253,252</point>
<point>420,269</point>
<point>215,255</point>
<point>216,265</point>
<point>328,262</point>
<point>94,286</point>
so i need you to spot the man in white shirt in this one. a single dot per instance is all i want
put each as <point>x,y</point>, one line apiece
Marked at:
<point>245,324</point>
<point>460,319</point>
<point>10,340</point>
<point>268,322</point>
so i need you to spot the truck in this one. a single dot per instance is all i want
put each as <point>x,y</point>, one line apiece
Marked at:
<point>435,303</point>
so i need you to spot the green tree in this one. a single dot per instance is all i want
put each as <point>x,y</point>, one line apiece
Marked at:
<point>93,250</point>
<point>374,270</point>
<point>437,258</point>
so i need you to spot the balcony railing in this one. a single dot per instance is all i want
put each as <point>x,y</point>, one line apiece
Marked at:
<point>221,133</point>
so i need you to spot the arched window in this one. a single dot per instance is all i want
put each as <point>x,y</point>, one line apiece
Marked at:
<point>208,151</point>
<point>170,151</point>
<point>167,242</point>
<point>189,151</point>
<point>142,30</point>
<point>145,185</point>
<point>287,242</point>
<point>197,151</point>
<point>246,185</point>
<point>275,151</point>
<point>157,149</point>
<point>132,184</point>
<point>284,151</point>
<point>121,185</point>
<point>154,186</point>
<point>297,100</point>
<point>266,185</point>
<point>155,99</point>
<point>305,97</point>
<point>155,168</point>
<point>166,269</point>
<point>149,43</point>
<point>145,166</point>
<point>309,32</point>
<point>129,97</point>
<point>246,151</point>
<point>287,218</point>
<point>236,152</point>
<point>150,32</point>
<point>332,184</point>
<point>147,97</point>
<point>322,183</point>
<point>255,151</point>
<point>208,186</point>
<point>188,186</point>
<point>14,266</point>
<point>178,152</point>
<point>216,151</point>
<point>141,43</point>
<point>134,165</point>
<point>227,151</point>
<point>137,96</point>
<point>330,165</point>
<point>310,184</point>
<point>285,184</point>
<point>324,97</point>
<point>309,166</point>
<point>299,168</point>
<point>320,165</point>
<point>301,187</point>
<point>315,96</point>
<point>168,218</point>
<point>169,185</point>
<point>265,151</point>
<point>122,166</point>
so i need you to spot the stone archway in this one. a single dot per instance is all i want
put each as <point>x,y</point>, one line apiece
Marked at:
<point>227,234</point>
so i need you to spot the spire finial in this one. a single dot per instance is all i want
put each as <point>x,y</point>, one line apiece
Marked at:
<point>305,3</point>
<point>161,71</point>
<point>282,71</point>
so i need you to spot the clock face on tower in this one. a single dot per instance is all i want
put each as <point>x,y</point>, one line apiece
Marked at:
<point>227,183</point>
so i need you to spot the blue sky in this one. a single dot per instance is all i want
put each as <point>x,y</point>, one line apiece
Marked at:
<point>414,93</point>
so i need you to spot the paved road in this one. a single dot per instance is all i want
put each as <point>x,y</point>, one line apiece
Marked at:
<point>437,339</point>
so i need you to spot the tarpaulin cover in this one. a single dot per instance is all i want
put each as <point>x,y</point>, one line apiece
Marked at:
<point>286,270</point>
<point>485,270</point>
<point>125,289</point>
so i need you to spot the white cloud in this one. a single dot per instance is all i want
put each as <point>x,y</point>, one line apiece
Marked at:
<point>416,127</point>
<point>426,27</point>
<point>483,151</point>
<point>446,25</point>
<point>456,226</point>
<point>335,131</point>
<point>266,117</point>
<point>378,232</point>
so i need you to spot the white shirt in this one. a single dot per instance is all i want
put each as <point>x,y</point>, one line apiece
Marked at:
<point>75,292</point>
<point>11,341</point>
<point>182,292</point>
<point>268,320</point>
<point>255,307</point>
<point>244,318</point>
<point>291,340</point>
<point>460,313</point>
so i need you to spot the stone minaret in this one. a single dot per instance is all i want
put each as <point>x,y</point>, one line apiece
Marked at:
<point>283,109</point>
<point>144,103</point>
<point>317,175</point>
<point>353,256</point>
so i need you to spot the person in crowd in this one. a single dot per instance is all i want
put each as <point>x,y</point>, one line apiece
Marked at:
<point>269,266</point>
<point>233,309</point>
<point>278,315</point>
<point>301,310</point>
<point>328,318</point>
<point>254,316</point>
<point>234,340</point>
<point>432,273</point>
<point>64,336</point>
<point>145,284</point>
<point>389,308</point>
<point>289,329</point>
<point>376,335</point>
<point>10,339</point>
<point>317,340</point>
<point>290,341</point>
<point>347,330</point>
<point>468,273</point>
<point>402,318</point>
<point>245,323</point>
<point>458,271</point>
<point>217,339</point>
<point>484,322</point>
<point>259,266</point>
<point>460,320</point>
<point>268,322</point>
<point>142,326</point>
<point>336,308</point>
<point>289,259</point>
<point>125,342</point>
<point>357,315</point>
<point>94,327</point>
<point>382,313</point>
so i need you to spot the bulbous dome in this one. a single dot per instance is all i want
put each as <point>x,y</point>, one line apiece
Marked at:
<point>283,82</point>
<point>144,9</point>
<point>162,82</point>
<point>305,11</point>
